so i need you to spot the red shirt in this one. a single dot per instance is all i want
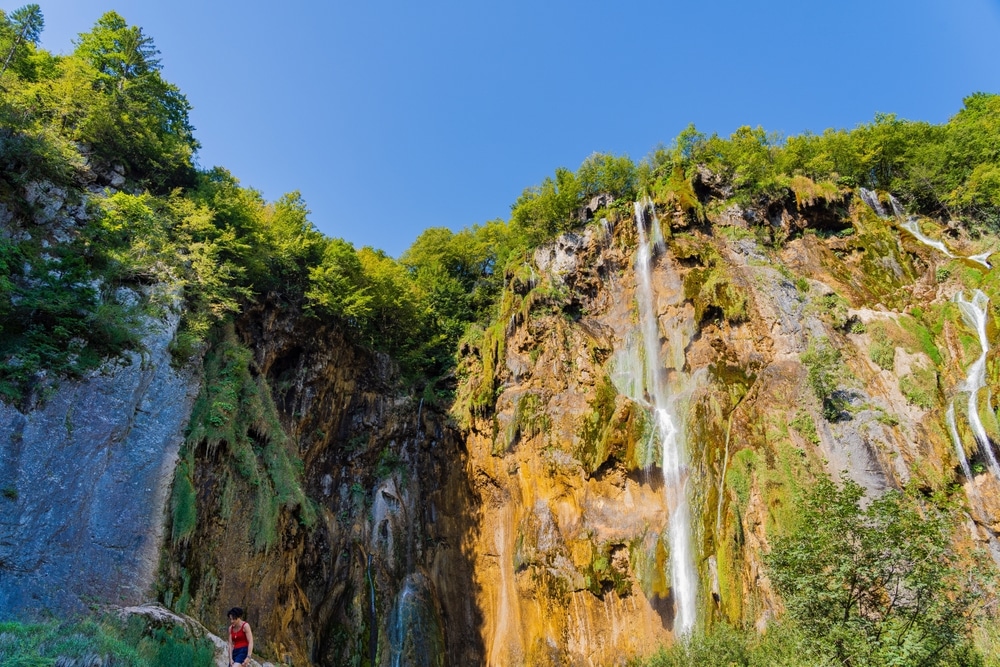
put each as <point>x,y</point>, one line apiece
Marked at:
<point>239,637</point>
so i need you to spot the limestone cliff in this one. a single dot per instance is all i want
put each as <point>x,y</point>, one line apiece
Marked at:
<point>534,523</point>
<point>85,479</point>
<point>572,556</point>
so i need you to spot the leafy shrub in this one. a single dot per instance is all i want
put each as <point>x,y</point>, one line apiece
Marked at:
<point>882,350</point>
<point>877,585</point>
<point>823,362</point>
<point>920,388</point>
<point>106,640</point>
<point>804,424</point>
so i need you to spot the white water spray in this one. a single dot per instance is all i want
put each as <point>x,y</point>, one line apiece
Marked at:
<point>683,578</point>
<point>869,197</point>
<point>957,441</point>
<point>912,225</point>
<point>974,314</point>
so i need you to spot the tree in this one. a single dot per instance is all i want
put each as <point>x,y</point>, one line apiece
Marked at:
<point>27,23</point>
<point>880,585</point>
<point>139,120</point>
<point>120,52</point>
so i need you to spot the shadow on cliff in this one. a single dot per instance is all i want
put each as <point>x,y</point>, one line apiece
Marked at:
<point>387,475</point>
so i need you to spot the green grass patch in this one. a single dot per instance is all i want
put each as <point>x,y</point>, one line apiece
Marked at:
<point>105,641</point>
<point>920,388</point>
<point>805,425</point>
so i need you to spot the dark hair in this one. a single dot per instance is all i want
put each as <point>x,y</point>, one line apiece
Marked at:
<point>235,612</point>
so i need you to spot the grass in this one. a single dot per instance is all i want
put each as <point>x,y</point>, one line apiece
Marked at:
<point>920,388</point>
<point>804,424</point>
<point>101,640</point>
<point>882,350</point>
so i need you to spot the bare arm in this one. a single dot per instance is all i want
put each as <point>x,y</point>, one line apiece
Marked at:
<point>246,628</point>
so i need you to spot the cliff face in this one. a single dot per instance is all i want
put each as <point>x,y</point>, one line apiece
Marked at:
<point>85,479</point>
<point>791,342</point>
<point>627,440</point>
<point>385,546</point>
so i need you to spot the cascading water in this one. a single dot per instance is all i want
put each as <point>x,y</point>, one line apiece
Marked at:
<point>870,198</point>
<point>974,314</point>
<point>912,225</point>
<point>674,459</point>
<point>963,460</point>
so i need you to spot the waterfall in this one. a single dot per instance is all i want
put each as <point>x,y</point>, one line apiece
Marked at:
<point>897,209</point>
<point>870,198</point>
<point>974,314</point>
<point>674,459</point>
<point>912,225</point>
<point>957,441</point>
<point>982,258</point>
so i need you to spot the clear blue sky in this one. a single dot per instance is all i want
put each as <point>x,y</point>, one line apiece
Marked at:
<point>391,117</point>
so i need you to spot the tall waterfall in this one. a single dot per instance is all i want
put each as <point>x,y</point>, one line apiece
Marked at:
<point>974,314</point>
<point>683,578</point>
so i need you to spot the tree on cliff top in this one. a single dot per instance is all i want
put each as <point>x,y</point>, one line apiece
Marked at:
<point>25,24</point>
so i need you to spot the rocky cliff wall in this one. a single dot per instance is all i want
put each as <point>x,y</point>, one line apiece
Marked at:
<point>796,342</point>
<point>85,478</point>
<point>531,524</point>
<point>375,563</point>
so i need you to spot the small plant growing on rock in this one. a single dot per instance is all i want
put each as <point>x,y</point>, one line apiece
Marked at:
<point>882,351</point>
<point>804,424</point>
<point>823,362</point>
<point>920,388</point>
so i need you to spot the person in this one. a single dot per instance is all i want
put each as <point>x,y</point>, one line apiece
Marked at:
<point>240,638</point>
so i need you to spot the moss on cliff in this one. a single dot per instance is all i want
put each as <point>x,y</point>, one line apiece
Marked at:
<point>710,285</point>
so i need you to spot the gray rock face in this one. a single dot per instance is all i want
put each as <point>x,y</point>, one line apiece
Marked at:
<point>84,480</point>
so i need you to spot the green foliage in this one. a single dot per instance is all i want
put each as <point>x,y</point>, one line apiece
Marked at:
<point>134,643</point>
<point>234,411</point>
<point>739,475</point>
<point>22,28</point>
<point>137,119</point>
<point>604,173</point>
<point>920,387</point>
<point>597,430</point>
<point>804,424</point>
<point>710,286</point>
<point>183,502</point>
<point>882,350</point>
<point>823,363</point>
<point>57,317</point>
<point>546,210</point>
<point>876,585</point>
<point>923,336</point>
<point>726,646</point>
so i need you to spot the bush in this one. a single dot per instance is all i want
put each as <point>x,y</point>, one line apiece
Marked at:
<point>920,388</point>
<point>824,365</point>
<point>104,640</point>
<point>878,585</point>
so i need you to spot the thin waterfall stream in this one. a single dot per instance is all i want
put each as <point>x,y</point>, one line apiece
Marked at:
<point>911,224</point>
<point>974,314</point>
<point>674,457</point>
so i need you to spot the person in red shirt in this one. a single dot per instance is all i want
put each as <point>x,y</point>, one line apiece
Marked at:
<point>240,638</point>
